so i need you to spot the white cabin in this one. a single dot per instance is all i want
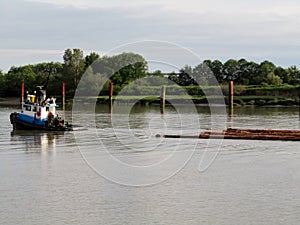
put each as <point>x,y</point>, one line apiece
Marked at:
<point>33,112</point>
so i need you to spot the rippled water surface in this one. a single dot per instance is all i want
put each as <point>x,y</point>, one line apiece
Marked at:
<point>113,170</point>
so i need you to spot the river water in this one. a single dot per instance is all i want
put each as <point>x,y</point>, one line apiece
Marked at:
<point>113,170</point>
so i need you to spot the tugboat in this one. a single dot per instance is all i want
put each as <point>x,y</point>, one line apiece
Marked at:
<point>39,113</point>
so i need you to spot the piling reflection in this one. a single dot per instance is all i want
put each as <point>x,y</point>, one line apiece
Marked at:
<point>230,118</point>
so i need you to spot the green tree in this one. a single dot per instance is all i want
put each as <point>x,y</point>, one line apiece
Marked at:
<point>173,77</point>
<point>157,73</point>
<point>91,83</point>
<point>242,72</point>
<point>273,79</point>
<point>251,74</point>
<point>283,74</point>
<point>231,70</point>
<point>14,78</point>
<point>265,68</point>
<point>121,69</point>
<point>203,74</point>
<point>46,71</point>
<point>73,67</point>
<point>89,59</point>
<point>294,74</point>
<point>185,76</point>
<point>155,78</point>
<point>2,84</point>
<point>216,67</point>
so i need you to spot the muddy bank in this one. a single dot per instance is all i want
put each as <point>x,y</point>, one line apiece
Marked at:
<point>11,101</point>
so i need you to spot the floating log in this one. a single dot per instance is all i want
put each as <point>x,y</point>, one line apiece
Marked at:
<point>244,134</point>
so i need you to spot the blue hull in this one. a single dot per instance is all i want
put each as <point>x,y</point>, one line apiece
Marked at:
<point>19,124</point>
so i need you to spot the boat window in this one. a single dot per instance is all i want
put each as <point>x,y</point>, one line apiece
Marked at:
<point>28,107</point>
<point>47,109</point>
<point>34,109</point>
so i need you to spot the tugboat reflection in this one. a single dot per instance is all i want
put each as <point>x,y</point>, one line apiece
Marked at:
<point>37,141</point>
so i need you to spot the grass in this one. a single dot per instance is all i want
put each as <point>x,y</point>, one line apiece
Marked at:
<point>244,95</point>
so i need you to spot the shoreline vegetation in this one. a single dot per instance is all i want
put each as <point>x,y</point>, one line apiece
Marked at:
<point>155,100</point>
<point>255,83</point>
<point>287,95</point>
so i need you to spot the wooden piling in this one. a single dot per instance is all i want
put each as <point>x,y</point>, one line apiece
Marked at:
<point>163,99</point>
<point>230,96</point>
<point>110,96</point>
<point>22,91</point>
<point>63,96</point>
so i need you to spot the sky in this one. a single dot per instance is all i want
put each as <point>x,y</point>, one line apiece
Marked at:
<point>33,31</point>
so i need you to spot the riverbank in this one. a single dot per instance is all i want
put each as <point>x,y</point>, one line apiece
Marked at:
<point>9,101</point>
<point>154,100</point>
<point>173,99</point>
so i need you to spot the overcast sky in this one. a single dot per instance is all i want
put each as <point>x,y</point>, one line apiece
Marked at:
<point>34,31</point>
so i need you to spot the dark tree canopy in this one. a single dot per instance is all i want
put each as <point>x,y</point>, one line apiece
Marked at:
<point>241,72</point>
<point>73,67</point>
<point>122,69</point>
<point>89,59</point>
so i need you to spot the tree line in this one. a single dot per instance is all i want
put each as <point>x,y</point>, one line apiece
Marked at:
<point>74,65</point>
<point>241,71</point>
<point>128,67</point>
